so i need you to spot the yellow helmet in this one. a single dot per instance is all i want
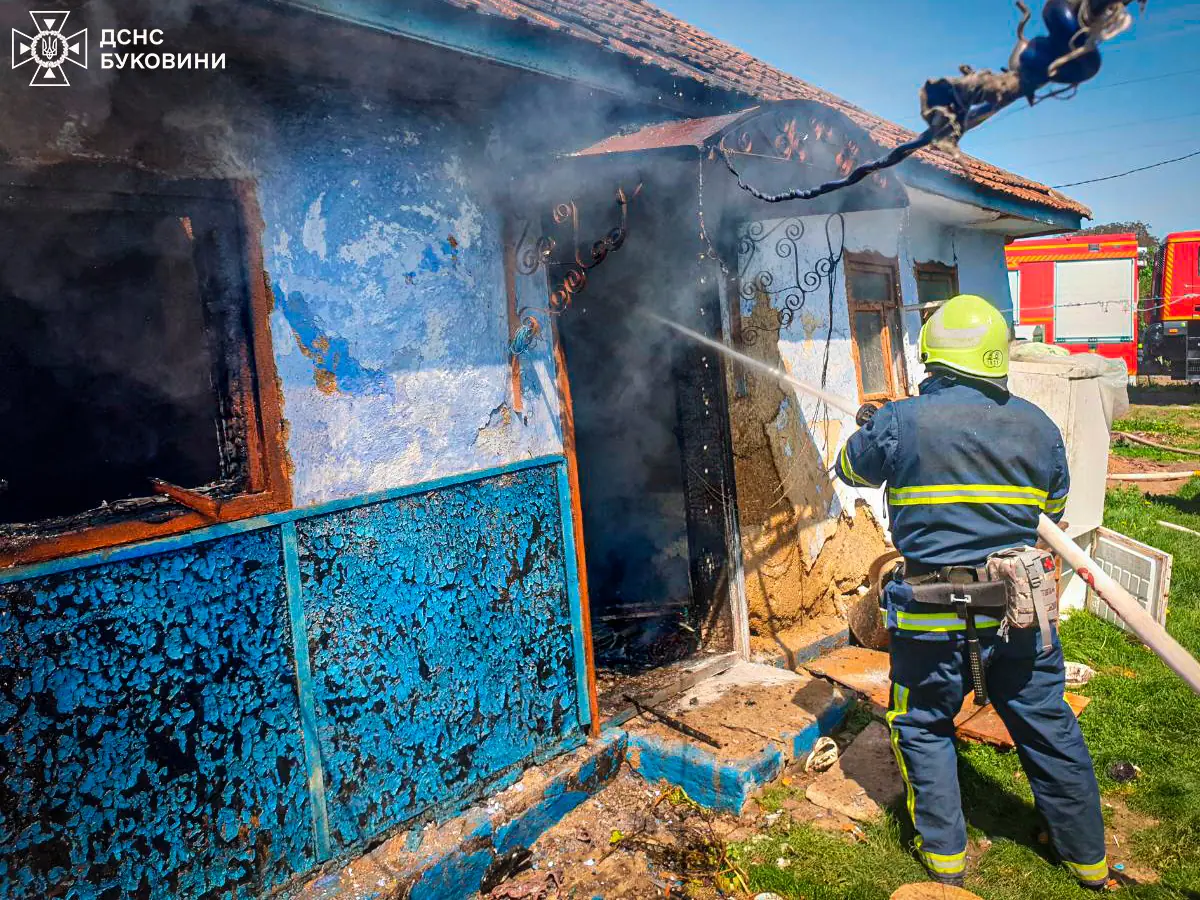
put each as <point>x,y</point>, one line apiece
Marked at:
<point>969,335</point>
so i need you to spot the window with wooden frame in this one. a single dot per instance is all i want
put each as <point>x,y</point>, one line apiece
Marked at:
<point>877,342</point>
<point>936,283</point>
<point>137,381</point>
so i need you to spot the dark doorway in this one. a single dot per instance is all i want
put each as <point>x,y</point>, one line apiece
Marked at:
<point>652,441</point>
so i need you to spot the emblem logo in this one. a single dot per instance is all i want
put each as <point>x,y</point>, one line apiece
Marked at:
<point>49,49</point>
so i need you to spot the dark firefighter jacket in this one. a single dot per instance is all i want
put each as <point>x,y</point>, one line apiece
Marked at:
<point>967,471</point>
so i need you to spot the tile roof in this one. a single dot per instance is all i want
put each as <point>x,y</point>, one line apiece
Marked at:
<point>654,37</point>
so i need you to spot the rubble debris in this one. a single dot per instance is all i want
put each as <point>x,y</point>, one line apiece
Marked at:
<point>985,726</point>
<point>1123,772</point>
<point>823,756</point>
<point>1079,674</point>
<point>504,868</point>
<point>864,781</point>
<point>674,724</point>
<point>866,671</point>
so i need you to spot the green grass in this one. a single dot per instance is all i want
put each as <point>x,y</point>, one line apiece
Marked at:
<point>1140,713</point>
<point>1162,422</point>
<point>1137,451</point>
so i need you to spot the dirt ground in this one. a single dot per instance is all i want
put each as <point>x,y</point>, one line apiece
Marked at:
<point>638,841</point>
<point>1121,464</point>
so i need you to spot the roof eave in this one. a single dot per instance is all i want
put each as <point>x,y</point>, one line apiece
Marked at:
<point>536,49</point>
<point>516,44</point>
<point>929,178</point>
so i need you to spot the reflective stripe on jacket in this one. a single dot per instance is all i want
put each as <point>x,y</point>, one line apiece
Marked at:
<point>968,471</point>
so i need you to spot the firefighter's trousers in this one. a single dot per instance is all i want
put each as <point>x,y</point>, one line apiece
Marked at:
<point>930,679</point>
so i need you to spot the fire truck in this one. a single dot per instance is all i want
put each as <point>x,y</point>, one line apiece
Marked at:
<point>1079,292</point>
<point>1172,333</point>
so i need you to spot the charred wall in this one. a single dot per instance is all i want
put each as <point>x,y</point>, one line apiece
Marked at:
<point>154,710</point>
<point>211,715</point>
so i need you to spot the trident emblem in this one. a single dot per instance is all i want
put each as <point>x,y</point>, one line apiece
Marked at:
<point>49,49</point>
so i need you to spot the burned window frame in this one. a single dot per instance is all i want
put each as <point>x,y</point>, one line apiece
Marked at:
<point>226,225</point>
<point>933,271</point>
<point>892,345</point>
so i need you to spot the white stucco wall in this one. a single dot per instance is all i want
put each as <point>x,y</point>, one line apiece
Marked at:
<point>904,234</point>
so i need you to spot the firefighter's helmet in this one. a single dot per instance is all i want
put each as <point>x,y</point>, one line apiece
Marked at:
<point>969,335</point>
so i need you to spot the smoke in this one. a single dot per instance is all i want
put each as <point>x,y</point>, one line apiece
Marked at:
<point>296,83</point>
<point>840,403</point>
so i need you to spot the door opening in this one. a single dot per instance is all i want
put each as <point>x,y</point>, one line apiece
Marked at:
<point>655,466</point>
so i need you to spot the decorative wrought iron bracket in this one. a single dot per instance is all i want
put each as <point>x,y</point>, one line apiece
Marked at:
<point>789,295</point>
<point>533,255</point>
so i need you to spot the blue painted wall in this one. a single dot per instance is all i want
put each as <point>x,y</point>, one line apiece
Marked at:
<point>159,740</point>
<point>149,728</point>
<point>384,251</point>
<point>441,645</point>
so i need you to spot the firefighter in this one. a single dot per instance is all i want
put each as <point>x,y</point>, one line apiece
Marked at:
<point>969,468</point>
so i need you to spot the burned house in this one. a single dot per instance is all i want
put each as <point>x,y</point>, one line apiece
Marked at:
<point>350,467</point>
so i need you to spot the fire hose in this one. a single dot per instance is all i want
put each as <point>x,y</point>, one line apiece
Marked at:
<point>1039,68</point>
<point>1119,600</point>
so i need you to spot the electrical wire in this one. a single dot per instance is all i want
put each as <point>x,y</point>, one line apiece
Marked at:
<point>1164,162</point>
<point>1074,157</point>
<point>1073,131</point>
<point>1026,309</point>
<point>1101,87</point>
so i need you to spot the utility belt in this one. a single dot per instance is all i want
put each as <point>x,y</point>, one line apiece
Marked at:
<point>959,587</point>
<point>1020,581</point>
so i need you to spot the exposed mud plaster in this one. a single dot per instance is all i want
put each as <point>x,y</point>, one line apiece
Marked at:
<point>784,494</point>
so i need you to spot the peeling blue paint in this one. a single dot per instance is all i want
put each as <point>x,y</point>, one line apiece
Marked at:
<point>149,729</point>
<point>461,851</point>
<point>390,326</point>
<point>329,353</point>
<point>152,707</point>
<point>718,782</point>
<point>711,781</point>
<point>455,876</point>
<point>441,642</point>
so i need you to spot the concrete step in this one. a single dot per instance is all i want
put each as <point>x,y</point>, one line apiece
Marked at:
<point>762,716</point>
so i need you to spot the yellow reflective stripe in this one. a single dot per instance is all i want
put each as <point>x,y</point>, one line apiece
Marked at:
<point>1095,872</point>
<point>899,708</point>
<point>941,857</point>
<point>968,498</point>
<point>940,622</point>
<point>968,488</point>
<point>849,469</point>
<point>941,494</point>
<point>945,865</point>
<point>1056,505</point>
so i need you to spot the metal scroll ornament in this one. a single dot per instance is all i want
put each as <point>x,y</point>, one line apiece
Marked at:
<point>533,255</point>
<point>783,277</point>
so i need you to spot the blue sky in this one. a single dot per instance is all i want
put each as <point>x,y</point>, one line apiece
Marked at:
<point>877,53</point>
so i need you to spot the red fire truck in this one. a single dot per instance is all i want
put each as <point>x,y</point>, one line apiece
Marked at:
<point>1172,334</point>
<point>1080,291</point>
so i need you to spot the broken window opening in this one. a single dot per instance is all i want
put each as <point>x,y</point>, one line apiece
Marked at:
<point>876,338</point>
<point>132,346</point>
<point>936,283</point>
